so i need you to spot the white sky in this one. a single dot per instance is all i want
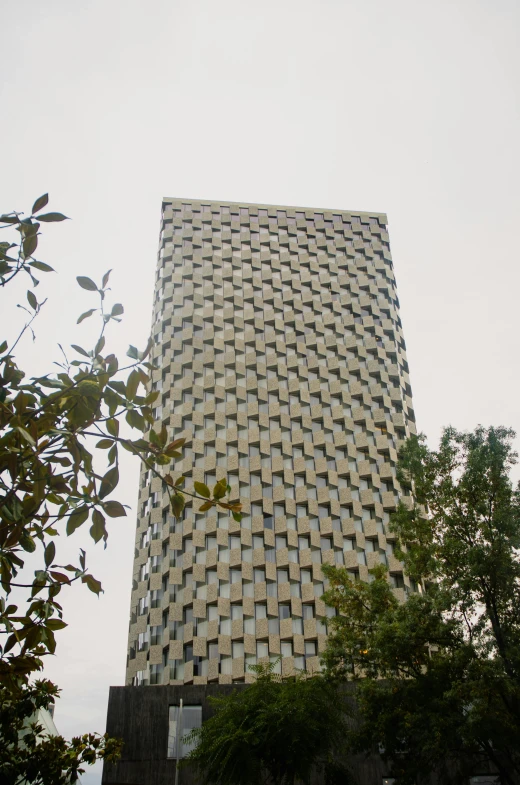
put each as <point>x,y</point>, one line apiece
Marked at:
<point>406,107</point>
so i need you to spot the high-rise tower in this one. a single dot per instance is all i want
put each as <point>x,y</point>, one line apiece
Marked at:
<point>282,360</point>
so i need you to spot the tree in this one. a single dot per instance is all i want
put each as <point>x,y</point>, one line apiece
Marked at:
<point>439,676</point>
<point>60,436</point>
<point>275,730</point>
<point>29,754</point>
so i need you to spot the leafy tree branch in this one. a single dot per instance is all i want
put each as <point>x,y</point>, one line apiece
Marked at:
<point>60,436</point>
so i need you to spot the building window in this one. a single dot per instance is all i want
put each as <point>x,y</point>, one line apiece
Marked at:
<point>156,672</point>
<point>179,727</point>
<point>262,649</point>
<point>484,779</point>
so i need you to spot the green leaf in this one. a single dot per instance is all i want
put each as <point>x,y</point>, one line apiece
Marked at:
<point>97,530</point>
<point>135,420</point>
<point>93,584</point>
<point>237,516</point>
<point>99,346</point>
<point>50,553</point>
<point>60,577</point>
<point>206,506</point>
<point>117,309</point>
<point>55,624</point>
<point>31,299</point>
<point>76,518</point>
<point>11,641</point>
<point>9,219</point>
<point>47,638</point>
<point>119,387</point>
<point>26,435</point>
<point>104,444</point>
<point>202,489</point>
<point>143,355</point>
<point>86,283</point>
<point>219,491</point>
<point>79,350</point>
<point>132,384</point>
<point>28,227</point>
<point>178,503</point>
<point>109,482</point>
<point>113,427</point>
<point>163,436</point>
<point>39,203</point>
<point>172,448</point>
<point>133,353</point>
<point>27,542</point>
<point>114,509</point>
<point>151,397</point>
<point>45,268</point>
<point>29,245</point>
<point>86,315</point>
<point>51,217</point>
<point>105,279</point>
<point>3,347</point>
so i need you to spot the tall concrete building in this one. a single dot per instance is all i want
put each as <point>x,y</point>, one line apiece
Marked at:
<point>282,360</point>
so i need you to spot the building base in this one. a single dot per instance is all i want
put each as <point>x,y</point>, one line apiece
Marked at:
<point>140,716</point>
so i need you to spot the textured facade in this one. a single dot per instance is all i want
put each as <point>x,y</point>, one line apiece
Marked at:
<point>282,360</point>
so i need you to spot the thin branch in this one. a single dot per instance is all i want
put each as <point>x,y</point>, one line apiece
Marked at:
<point>50,583</point>
<point>28,325</point>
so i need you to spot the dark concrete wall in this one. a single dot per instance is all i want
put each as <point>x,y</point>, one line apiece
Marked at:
<point>139,716</point>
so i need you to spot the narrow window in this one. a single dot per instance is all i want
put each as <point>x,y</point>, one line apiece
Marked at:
<point>179,727</point>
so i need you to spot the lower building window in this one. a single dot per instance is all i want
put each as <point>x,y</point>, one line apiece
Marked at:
<point>140,679</point>
<point>180,726</point>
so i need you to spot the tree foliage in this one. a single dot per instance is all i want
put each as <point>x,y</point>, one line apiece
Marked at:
<point>273,731</point>
<point>439,675</point>
<point>29,754</point>
<point>60,440</point>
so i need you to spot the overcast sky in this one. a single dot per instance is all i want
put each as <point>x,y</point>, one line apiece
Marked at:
<point>404,107</point>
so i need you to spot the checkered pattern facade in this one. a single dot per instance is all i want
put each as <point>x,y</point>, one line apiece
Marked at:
<point>282,360</point>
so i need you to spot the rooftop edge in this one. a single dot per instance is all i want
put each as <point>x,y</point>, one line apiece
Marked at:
<point>225,203</point>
